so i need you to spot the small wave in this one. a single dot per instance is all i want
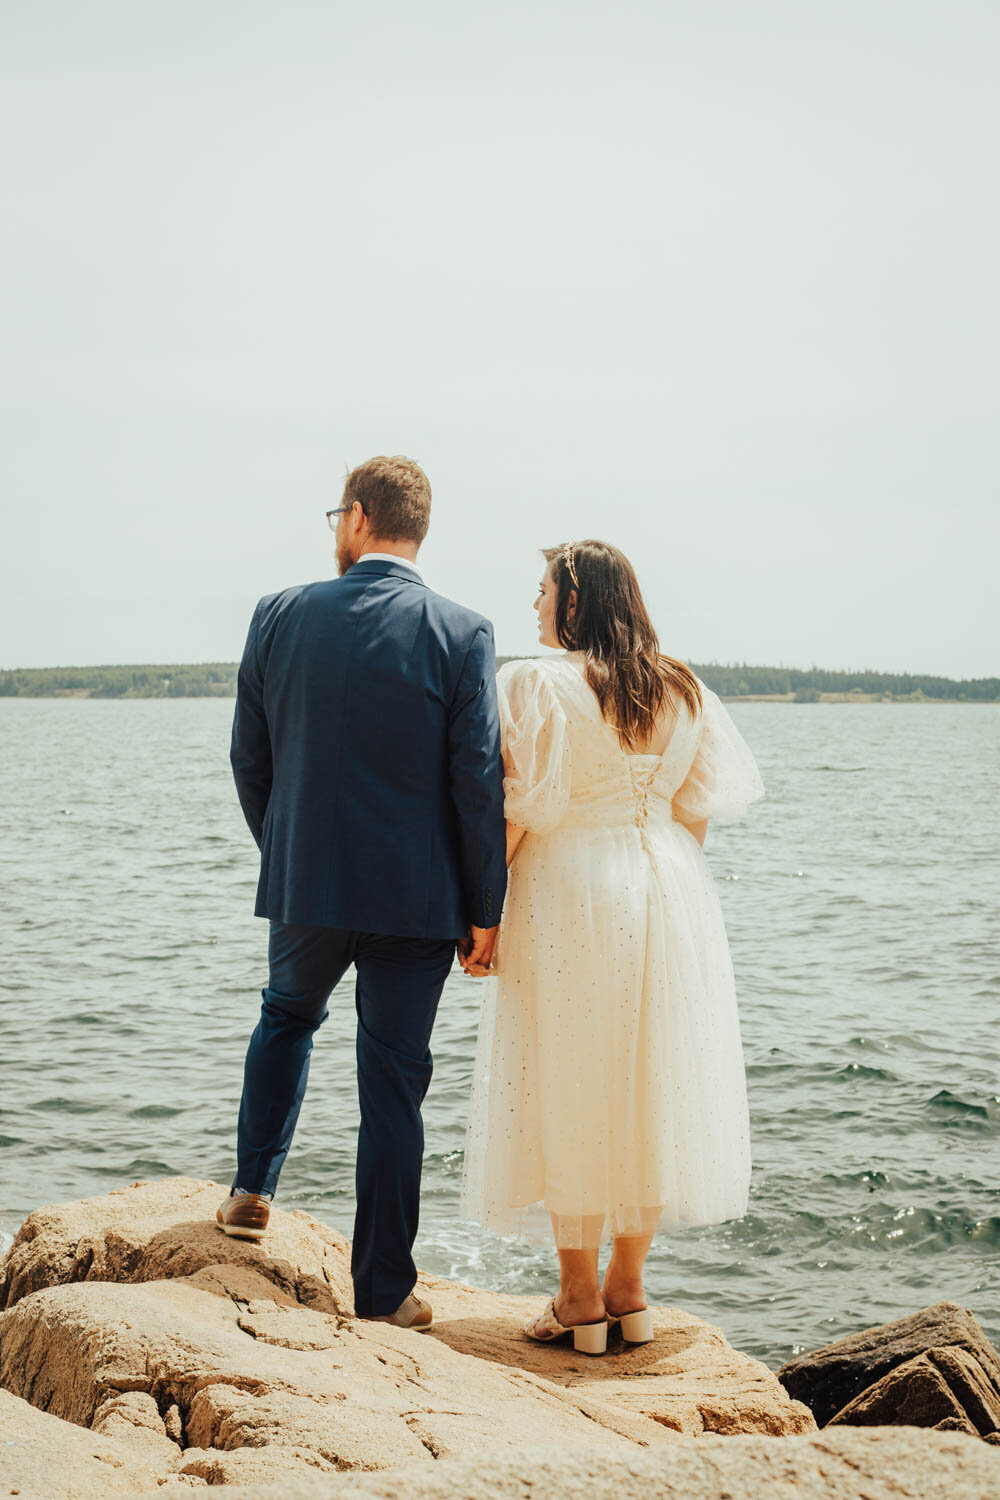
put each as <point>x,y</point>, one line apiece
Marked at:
<point>865,1070</point>
<point>878,1225</point>
<point>910,1226</point>
<point>141,1167</point>
<point>839,770</point>
<point>987,1230</point>
<point>821,1072</point>
<point>63,1106</point>
<point>870,1179</point>
<point>448,1161</point>
<point>914,1043</point>
<point>948,1103</point>
<point>6,1240</point>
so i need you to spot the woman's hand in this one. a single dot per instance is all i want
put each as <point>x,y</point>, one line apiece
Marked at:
<point>475,950</point>
<point>477,962</point>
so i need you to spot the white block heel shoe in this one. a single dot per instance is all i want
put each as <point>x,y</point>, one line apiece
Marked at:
<point>637,1327</point>
<point>591,1338</point>
<point>588,1338</point>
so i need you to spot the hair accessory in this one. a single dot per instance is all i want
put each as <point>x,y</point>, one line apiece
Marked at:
<point>568,556</point>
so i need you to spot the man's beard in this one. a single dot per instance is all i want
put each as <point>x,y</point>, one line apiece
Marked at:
<point>344,561</point>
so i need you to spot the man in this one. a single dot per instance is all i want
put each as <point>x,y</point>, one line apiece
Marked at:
<point>366,752</point>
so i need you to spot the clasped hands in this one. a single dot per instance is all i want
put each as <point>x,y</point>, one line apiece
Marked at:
<point>475,950</point>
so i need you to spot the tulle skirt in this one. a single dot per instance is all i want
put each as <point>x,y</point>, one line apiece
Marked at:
<point>609,1091</point>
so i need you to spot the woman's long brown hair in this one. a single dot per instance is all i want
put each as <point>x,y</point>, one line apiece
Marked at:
<point>633,679</point>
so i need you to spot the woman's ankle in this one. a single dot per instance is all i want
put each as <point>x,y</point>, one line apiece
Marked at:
<point>582,1297</point>
<point>623,1294</point>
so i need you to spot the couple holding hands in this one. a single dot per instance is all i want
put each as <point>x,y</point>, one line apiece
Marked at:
<point>403,794</point>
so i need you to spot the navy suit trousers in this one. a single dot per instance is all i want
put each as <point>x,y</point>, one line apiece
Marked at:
<point>399,984</point>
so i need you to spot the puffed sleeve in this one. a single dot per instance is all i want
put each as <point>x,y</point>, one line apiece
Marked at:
<point>536,753</point>
<point>723,779</point>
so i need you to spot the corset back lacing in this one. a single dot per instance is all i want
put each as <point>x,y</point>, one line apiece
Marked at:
<point>639,779</point>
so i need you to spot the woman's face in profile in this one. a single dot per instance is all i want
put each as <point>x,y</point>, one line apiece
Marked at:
<point>545,605</point>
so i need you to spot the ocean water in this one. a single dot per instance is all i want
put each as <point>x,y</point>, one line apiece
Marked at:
<point>861,899</point>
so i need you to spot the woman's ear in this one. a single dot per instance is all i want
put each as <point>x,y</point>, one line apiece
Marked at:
<point>571,605</point>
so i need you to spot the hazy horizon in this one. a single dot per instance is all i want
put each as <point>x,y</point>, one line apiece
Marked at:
<point>715,283</point>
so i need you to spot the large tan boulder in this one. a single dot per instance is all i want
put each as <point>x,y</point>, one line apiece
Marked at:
<point>154,1230</point>
<point>254,1383</point>
<point>42,1457</point>
<point>827,1379</point>
<point>846,1464</point>
<point>689,1379</point>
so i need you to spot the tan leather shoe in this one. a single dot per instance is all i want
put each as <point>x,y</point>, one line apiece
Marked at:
<point>411,1313</point>
<point>244,1216</point>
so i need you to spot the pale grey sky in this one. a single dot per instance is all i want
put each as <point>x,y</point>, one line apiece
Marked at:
<point>717,282</point>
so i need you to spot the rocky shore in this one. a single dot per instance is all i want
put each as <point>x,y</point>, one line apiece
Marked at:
<point>142,1352</point>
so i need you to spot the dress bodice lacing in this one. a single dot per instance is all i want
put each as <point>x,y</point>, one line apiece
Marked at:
<point>642,770</point>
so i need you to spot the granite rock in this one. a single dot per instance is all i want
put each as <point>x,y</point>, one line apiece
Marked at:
<point>827,1379</point>
<point>42,1458</point>
<point>843,1464</point>
<point>143,1352</point>
<point>944,1388</point>
<point>689,1378</point>
<point>301,1389</point>
<point>154,1230</point>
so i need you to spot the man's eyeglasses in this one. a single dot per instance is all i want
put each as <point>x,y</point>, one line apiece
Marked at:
<point>342,510</point>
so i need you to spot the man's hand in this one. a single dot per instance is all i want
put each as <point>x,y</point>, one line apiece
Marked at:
<point>475,950</point>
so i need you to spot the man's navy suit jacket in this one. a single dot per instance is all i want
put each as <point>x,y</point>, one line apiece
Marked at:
<point>366,752</point>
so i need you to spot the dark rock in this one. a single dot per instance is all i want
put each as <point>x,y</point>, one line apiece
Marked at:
<point>943,1388</point>
<point>828,1379</point>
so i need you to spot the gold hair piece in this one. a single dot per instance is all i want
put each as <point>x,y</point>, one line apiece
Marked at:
<point>568,555</point>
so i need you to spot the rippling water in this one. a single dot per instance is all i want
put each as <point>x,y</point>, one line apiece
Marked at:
<point>861,899</point>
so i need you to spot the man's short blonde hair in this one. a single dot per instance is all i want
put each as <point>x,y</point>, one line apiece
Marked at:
<point>395,495</point>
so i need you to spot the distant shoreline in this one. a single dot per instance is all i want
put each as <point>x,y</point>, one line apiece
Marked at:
<point>85,696</point>
<point>95,694</point>
<point>734,683</point>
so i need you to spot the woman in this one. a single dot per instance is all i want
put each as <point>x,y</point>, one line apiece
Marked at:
<point>609,1094</point>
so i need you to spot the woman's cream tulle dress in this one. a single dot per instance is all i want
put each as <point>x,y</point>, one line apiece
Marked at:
<point>609,1087</point>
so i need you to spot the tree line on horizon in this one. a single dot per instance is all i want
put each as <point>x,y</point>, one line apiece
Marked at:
<point>218,680</point>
